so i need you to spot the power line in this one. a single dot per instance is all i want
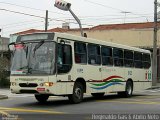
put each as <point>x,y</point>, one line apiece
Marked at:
<point>17,23</point>
<point>30,7</point>
<point>38,16</point>
<point>22,24</point>
<point>113,8</point>
<point>21,13</point>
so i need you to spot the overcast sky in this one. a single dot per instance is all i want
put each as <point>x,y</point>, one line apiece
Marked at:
<point>90,12</point>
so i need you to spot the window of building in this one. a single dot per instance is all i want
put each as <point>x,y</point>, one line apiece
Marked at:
<point>64,60</point>
<point>80,52</point>
<point>106,55</point>
<point>128,58</point>
<point>138,60</point>
<point>118,56</point>
<point>146,60</point>
<point>94,56</point>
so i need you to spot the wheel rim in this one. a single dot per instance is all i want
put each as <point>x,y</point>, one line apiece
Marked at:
<point>78,93</point>
<point>129,90</point>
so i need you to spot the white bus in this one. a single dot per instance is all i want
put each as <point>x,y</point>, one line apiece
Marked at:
<point>58,64</point>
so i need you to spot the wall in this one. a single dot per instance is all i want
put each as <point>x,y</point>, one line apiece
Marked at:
<point>131,37</point>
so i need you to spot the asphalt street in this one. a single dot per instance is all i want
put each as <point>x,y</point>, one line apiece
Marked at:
<point>59,108</point>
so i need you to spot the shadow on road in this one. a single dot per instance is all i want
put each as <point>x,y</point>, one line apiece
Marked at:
<point>63,101</point>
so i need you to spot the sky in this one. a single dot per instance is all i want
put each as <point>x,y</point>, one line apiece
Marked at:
<point>20,15</point>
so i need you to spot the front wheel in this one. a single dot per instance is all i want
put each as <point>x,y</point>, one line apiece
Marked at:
<point>77,95</point>
<point>41,98</point>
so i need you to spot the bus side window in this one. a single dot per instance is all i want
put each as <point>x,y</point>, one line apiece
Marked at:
<point>118,56</point>
<point>107,58</point>
<point>138,60</point>
<point>94,56</point>
<point>80,52</point>
<point>128,58</point>
<point>146,61</point>
<point>64,58</point>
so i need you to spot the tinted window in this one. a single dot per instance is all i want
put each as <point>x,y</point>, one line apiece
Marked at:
<point>146,60</point>
<point>128,58</point>
<point>64,60</point>
<point>107,55</point>
<point>118,57</point>
<point>94,54</point>
<point>80,52</point>
<point>138,60</point>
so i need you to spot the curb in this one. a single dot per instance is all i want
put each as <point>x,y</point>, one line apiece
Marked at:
<point>153,87</point>
<point>3,97</point>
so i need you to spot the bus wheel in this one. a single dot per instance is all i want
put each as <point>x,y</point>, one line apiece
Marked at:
<point>97,94</point>
<point>128,91</point>
<point>41,98</point>
<point>77,95</point>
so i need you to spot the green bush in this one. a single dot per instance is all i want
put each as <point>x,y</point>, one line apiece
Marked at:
<point>4,79</point>
<point>4,83</point>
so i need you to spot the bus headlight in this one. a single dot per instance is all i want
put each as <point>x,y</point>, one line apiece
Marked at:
<point>13,83</point>
<point>48,84</point>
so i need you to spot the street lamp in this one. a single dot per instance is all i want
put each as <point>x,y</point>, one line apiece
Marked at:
<point>63,5</point>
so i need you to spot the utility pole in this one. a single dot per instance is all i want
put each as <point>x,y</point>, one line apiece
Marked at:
<point>125,14</point>
<point>46,21</point>
<point>0,32</point>
<point>154,69</point>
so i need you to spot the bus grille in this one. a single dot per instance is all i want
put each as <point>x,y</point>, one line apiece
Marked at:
<point>28,91</point>
<point>28,85</point>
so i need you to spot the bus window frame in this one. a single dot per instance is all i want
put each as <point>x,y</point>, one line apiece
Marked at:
<point>71,53</point>
<point>81,53</point>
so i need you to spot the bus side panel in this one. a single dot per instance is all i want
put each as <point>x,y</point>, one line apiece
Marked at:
<point>148,79</point>
<point>90,73</point>
<point>93,75</point>
<point>107,71</point>
<point>119,80</point>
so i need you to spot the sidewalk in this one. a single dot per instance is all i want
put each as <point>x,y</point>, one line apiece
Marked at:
<point>2,96</point>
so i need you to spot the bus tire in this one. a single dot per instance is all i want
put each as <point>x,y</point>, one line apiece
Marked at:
<point>41,98</point>
<point>128,90</point>
<point>77,95</point>
<point>97,94</point>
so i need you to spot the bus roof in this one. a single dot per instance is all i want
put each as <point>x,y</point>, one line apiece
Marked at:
<point>101,42</point>
<point>91,40</point>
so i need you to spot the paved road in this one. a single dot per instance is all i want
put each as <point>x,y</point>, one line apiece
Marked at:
<point>25,106</point>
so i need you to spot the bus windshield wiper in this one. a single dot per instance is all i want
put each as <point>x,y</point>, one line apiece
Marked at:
<point>38,45</point>
<point>26,68</point>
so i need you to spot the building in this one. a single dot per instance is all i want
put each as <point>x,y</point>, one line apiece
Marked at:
<point>132,34</point>
<point>4,55</point>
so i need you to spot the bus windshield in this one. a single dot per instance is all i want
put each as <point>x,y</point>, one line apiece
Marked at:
<point>34,58</point>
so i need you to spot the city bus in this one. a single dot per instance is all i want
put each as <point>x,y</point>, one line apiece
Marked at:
<point>59,64</point>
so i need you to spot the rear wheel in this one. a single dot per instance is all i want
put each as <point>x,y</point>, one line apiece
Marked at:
<point>128,90</point>
<point>77,95</point>
<point>41,98</point>
<point>97,94</point>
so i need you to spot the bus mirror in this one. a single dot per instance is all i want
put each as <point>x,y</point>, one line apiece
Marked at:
<point>62,41</point>
<point>9,50</point>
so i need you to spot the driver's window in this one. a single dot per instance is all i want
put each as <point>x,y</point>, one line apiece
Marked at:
<point>64,58</point>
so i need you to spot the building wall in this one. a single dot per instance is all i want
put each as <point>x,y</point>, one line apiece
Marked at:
<point>131,37</point>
